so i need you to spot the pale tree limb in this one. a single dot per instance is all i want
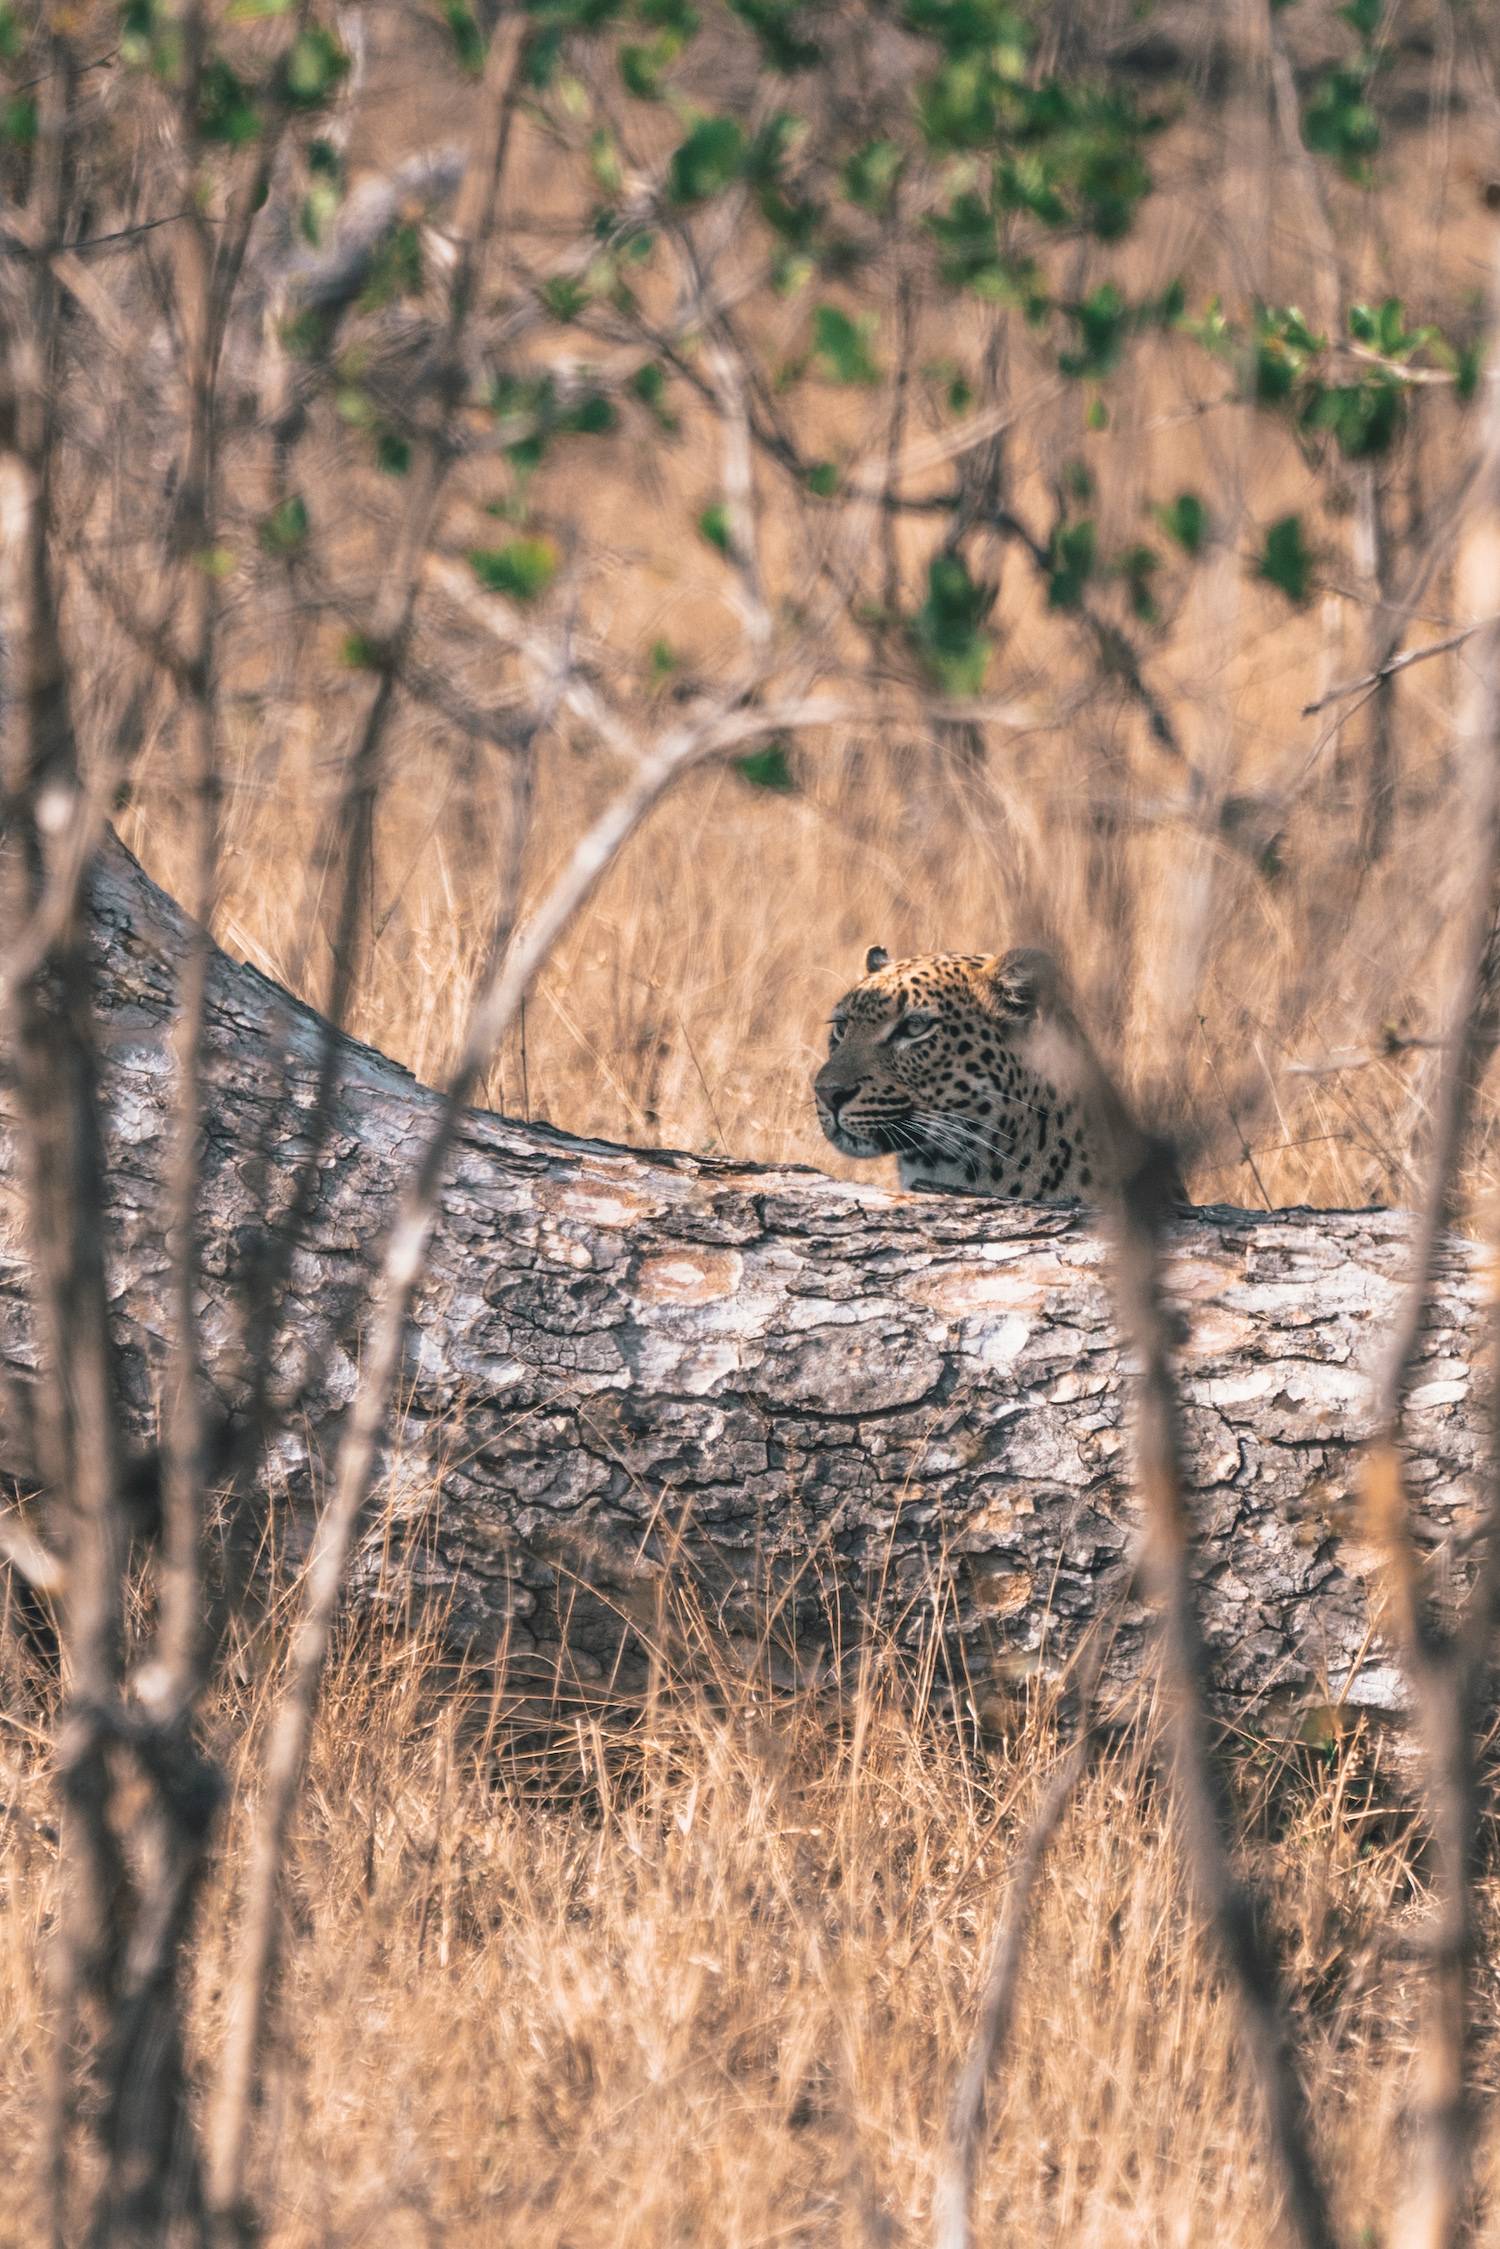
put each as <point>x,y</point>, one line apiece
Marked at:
<point>722,359</point>
<point>52,1065</point>
<point>153,2170</point>
<point>1447,1672</point>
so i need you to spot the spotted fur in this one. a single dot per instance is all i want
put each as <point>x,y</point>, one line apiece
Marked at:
<point>971,1070</point>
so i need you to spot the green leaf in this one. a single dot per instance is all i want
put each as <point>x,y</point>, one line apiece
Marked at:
<point>649,384</point>
<point>1285,561</point>
<point>1070,555</point>
<point>871,173</point>
<point>822,480</point>
<point>1186,520</point>
<point>714,525</point>
<point>958,391</point>
<point>971,256</point>
<point>792,217</point>
<point>706,161</point>
<point>1383,327</point>
<point>1283,350</point>
<point>843,345</point>
<point>604,161</point>
<point>948,630</point>
<point>769,768</point>
<point>305,334</point>
<point>1365,417</point>
<point>464,31</point>
<point>593,415</point>
<point>392,453</point>
<point>988,27</point>
<point>313,68</point>
<point>18,121</point>
<point>285,529</point>
<point>780,26</point>
<point>642,66</point>
<point>1340,122</point>
<point>318,210</point>
<point>679,16</point>
<point>564,296</point>
<point>522,568</point>
<point>226,109</point>
<point>959,108</point>
<point>1103,321</point>
<point>395,270</point>
<point>1468,366</point>
<point>1137,566</point>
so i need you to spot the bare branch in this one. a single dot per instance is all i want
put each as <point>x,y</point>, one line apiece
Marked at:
<point>1393,664</point>
<point>51,1059</point>
<point>1447,1670</point>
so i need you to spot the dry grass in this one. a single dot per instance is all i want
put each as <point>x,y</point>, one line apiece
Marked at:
<point>706,1976</point>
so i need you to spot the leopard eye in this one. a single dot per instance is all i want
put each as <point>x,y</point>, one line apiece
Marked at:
<point>917,1023</point>
<point>836,1029</point>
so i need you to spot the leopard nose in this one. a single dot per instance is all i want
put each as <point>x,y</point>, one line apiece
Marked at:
<point>834,1097</point>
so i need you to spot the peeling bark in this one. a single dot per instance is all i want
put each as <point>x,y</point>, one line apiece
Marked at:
<point>625,1363</point>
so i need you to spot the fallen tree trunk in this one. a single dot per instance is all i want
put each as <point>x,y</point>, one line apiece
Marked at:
<point>811,1398</point>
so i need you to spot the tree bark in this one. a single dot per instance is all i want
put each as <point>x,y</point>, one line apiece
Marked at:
<point>631,1367</point>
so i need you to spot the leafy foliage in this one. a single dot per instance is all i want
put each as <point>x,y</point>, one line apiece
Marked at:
<point>522,568</point>
<point>709,158</point>
<point>284,531</point>
<point>1340,119</point>
<point>842,345</point>
<point>948,630</point>
<point>1284,559</point>
<point>987,170</point>
<point>769,768</point>
<point>1186,520</point>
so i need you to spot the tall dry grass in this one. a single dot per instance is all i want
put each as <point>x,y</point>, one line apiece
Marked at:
<point>705,1975</point>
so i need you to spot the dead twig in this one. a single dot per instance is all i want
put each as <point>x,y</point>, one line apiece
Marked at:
<point>1392,664</point>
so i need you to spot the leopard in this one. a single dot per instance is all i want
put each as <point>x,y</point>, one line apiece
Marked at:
<point>973,1071</point>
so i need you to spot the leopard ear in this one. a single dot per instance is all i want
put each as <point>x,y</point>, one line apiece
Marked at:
<point>876,957</point>
<point>1025,981</point>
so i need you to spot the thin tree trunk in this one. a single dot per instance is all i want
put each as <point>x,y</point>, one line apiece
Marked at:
<point>626,1364</point>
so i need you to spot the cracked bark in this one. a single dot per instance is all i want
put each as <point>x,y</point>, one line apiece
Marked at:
<point>625,1363</point>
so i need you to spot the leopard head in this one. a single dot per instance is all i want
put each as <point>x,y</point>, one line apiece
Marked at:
<point>926,1055</point>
